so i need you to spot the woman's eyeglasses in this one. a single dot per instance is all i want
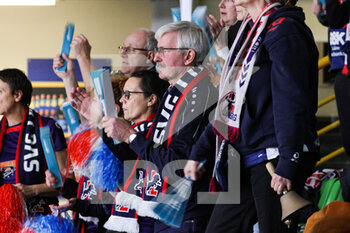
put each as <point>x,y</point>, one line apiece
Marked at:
<point>127,93</point>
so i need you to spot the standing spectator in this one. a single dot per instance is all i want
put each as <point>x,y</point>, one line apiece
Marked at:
<point>335,15</point>
<point>231,19</point>
<point>338,18</point>
<point>266,112</point>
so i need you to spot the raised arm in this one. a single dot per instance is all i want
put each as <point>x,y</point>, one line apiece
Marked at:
<point>82,50</point>
<point>68,77</point>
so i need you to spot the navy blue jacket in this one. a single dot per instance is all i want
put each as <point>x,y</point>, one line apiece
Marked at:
<point>190,123</point>
<point>281,100</point>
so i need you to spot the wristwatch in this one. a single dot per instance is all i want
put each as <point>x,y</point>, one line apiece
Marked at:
<point>132,137</point>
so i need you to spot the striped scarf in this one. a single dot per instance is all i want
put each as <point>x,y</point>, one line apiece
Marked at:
<point>235,79</point>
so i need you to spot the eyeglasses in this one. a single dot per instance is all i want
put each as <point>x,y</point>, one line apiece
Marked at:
<point>161,50</point>
<point>129,50</point>
<point>127,93</point>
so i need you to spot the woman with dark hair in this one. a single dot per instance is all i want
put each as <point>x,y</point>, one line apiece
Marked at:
<point>22,160</point>
<point>142,94</point>
<point>140,98</point>
<point>266,113</point>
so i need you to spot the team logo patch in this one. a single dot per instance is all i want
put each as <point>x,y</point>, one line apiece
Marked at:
<point>153,183</point>
<point>227,106</point>
<point>274,25</point>
<point>89,191</point>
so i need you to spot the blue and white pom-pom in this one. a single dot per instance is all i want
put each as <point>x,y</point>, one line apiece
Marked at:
<point>48,224</point>
<point>91,157</point>
<point>106,169</point>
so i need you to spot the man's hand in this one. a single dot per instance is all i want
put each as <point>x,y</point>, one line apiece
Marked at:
<point>279,184</point>
<point>50,179</point>
<point>81,47</point>
<point>210,65</point>
<point>215,26</point>
<point>88,107</point>
<point>190,169</point>
<point>217,33</point>
<point>58,61</point>
<point>67,206</point>
<point>117,128</point>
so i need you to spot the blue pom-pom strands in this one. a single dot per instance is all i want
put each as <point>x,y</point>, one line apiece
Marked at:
<point>91,157</point>
<point>106,169</point>
<point>48,224</point>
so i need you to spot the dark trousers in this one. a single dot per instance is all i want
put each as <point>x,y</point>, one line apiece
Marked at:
<point>235,217</point>
<point>258,202</point>
<point>196,225</point>
<point>342,95</point>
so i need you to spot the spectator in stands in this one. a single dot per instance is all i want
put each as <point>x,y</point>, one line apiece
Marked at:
<point>266,113</point>
<point>180,118</point>
<point>84,196</point>
<point>140,98</point>
<point>223,39</point>
<point>79,196</point>
<point>229,18</point>
<point>22,160</point>
<point>338,19</point>
<point>335,15</point>
<point>136,53</point>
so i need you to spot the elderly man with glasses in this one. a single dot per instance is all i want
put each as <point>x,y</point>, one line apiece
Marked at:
<point>137,51</point>
<point>181,117</point>
<point>137,54</point>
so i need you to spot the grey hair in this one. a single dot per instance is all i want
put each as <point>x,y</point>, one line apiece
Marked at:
<point>151,40</point>
<point>190,36</point>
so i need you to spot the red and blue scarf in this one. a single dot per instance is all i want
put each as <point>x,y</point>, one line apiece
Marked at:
<point>123,216</point>
<point>150,184</point>
<point>237,72</point>
<point>30,159</point>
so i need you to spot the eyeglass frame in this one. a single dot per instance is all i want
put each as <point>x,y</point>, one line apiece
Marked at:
<point>161,50</point>
<point>126,94</point>
<point>130,50</point>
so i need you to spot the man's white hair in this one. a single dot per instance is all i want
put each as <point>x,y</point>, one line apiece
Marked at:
<point>190,36</point>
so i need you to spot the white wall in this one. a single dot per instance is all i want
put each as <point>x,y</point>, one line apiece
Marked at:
<point>37,32</point>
